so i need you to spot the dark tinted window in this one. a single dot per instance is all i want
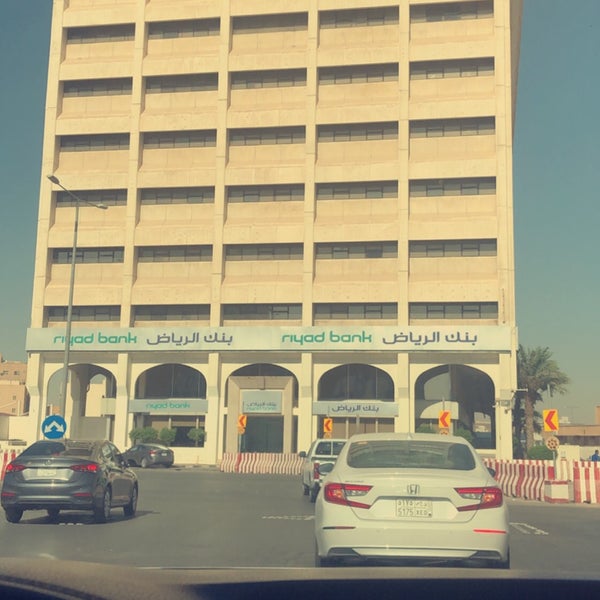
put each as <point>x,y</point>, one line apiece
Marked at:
<point>44,448</point>
<point>410,454</point>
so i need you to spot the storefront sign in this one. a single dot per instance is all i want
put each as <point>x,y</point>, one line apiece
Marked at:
<point>355,408</point>
<point>262,338</point>
<point>261,402</point>
<point>169,406</point>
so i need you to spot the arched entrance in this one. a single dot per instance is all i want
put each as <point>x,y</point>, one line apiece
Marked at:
<point>90,401</point>
<point>266,395</point>
<point>466,392</point>
<point>358,397</point>
<point>171,399</point>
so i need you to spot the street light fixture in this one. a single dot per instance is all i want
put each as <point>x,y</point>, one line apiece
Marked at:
<point>65,371</point>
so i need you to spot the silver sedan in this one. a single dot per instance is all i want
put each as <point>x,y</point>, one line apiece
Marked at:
<point>411,498</point>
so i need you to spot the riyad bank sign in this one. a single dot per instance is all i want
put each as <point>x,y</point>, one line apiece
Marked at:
<point>218,339</point>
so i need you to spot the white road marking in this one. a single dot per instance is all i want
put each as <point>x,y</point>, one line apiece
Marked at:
<point>528,529</point>
<point>291,517</point>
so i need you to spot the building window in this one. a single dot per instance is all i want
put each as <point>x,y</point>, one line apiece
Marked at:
<point>174,254</point>
<point>446,248</point>
<point>245,80</point>
<point>180,29</point>
<point>174,312</point>
<point>201,82</point>
<point>453,310</point>
<point>452,11</point>
<point>357,190</point>
<point>355,310</point>
<point>470,186</point>
<point>357,132</point>
<point>87,143</point>
<point>364,17</point>
<point>63,256</point>
<point>267,23</point>
<point>358,74</point>
<point>267,136</point>
<point>106,197</point>
<point>452,127</point>
<point>84,313</point>
<point>442,69</point>
<point>180,139</point>
<point>194,195</point>
<point>97,87</point>
<point>265,193</point>
<point>103,33</point>
<point>262,312</point>
<point>361,250</point>
<point>264,252</point>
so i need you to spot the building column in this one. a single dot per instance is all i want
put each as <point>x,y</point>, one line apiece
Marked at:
<point>121,433</point>
<point>405,421</point>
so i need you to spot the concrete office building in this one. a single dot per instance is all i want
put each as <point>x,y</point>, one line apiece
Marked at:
<point>309,217</point>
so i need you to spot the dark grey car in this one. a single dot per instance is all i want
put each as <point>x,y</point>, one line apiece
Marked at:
<point>69,475</point>
<point>148,454</point>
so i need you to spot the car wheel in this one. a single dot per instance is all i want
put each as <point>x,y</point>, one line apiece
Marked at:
<point>102,513</point>
<point>305,489</point>
<point>130,508</point>
<point>53,513</point>
<point>13,515</point>
<point>314,492</point>
<point>144,464</point>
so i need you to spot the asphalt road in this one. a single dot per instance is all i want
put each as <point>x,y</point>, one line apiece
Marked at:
<point>203,518</point>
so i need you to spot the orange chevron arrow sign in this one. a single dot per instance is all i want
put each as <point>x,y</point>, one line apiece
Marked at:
<point>550,417</point>
<point>444,419</point>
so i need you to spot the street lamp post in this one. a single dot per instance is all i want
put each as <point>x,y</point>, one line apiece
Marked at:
<point>65,371</point>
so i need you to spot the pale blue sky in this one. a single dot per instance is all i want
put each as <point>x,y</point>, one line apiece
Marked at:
<point>556,161</point>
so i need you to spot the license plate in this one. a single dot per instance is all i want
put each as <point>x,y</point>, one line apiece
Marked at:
<point>164,454</point>
<point>414,509</point>
<point>46,473</point>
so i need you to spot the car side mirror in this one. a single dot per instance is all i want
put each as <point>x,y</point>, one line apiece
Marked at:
<point>492,472</point>
<point>325,468</point>
<point>302,454</point>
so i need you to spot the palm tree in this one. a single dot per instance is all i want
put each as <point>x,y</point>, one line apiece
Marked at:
<point>537,372</point>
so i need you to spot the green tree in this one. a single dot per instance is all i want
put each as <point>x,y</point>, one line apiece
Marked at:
<point>143,434</point>
<point>537,372</point>
<point>167,435</point>
<point>197,436</point>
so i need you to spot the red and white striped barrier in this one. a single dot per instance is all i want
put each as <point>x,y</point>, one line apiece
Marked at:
<point>521,478</point>
<point>586,482</point>
<point>7,456</point>
<point>269,463</point>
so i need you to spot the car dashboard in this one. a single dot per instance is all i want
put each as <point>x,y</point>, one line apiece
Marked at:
<point>43,579</point>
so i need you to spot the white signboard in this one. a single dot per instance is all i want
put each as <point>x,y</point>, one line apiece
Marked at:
<point>225,339</point>
<point>169,406</point>
<point>261,401</point>
<point>355,408</point>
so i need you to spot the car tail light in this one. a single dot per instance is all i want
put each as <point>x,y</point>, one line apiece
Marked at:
<point>15,467</point>
<point>316,474</point>
<point>86,468</point>
<point>484,497</point>
<point>152,452</point>
<point>345,494</point>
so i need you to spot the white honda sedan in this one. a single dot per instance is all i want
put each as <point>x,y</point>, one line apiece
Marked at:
<point>411,498</point>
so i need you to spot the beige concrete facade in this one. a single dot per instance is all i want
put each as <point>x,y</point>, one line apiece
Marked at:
<point>313,198</point>
<point>14,399</point>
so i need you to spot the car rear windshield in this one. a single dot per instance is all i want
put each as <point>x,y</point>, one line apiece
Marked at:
<point>329,448</point>
<point>44,448</point>
<point>409,454</point>
<point>50,448</point>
